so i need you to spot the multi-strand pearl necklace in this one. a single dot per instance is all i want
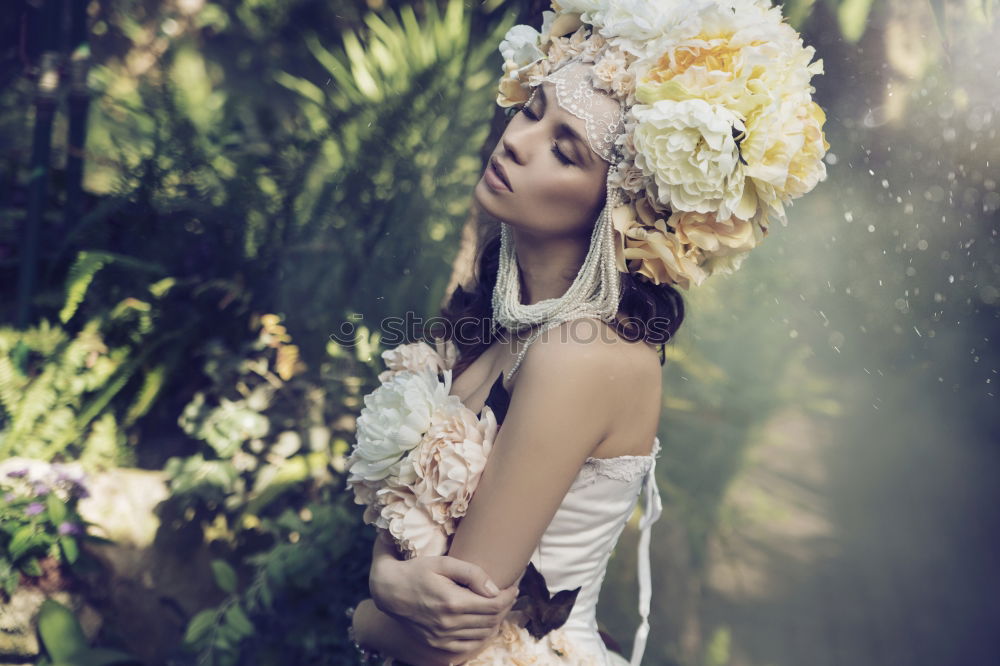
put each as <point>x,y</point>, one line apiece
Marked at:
<point>594,292</point>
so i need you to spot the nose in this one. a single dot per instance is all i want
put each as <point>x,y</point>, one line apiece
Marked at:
<point>508,140</point>
<point>520,139</point>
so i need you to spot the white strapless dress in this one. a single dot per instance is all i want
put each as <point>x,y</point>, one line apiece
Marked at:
<point>576,546</point>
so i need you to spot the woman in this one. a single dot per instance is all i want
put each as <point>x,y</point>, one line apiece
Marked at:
<point>609,203</point>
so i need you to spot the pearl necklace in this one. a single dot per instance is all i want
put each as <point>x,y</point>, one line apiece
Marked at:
<point>593,293</point>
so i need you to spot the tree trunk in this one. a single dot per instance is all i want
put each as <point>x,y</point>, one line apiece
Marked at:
<point>79,102</point>
<point>38,175</point>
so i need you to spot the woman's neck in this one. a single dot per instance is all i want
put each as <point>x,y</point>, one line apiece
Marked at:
<point>547,265</point>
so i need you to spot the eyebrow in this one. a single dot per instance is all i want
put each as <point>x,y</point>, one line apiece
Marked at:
<point>582,149</point>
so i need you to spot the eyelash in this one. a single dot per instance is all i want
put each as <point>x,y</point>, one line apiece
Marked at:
<point>555,146</point>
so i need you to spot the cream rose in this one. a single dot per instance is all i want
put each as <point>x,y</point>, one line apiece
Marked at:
<point>511,90</point>
<point>513,644</point>
<point>689,150</point>
<point>712,234</point>
<point>611,74</point>
<point>417,356</point>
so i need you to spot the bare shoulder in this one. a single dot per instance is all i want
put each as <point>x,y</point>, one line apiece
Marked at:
<point>588,358</point>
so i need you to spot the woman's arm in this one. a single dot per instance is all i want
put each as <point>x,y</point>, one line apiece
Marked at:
<point>446,602</point>
<point>375,630</point>
<point>560,412</point>
<point>558,415</point>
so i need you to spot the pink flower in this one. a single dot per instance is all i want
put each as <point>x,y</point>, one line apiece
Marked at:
<point>411,526</point>
<point>450,459</point>
<point>417,356</point>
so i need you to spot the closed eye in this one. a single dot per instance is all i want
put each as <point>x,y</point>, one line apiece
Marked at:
<point>555,146</point>
<point>562,157</point>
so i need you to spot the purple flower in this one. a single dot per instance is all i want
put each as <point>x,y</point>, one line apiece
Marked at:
<point>34,508</point>
<point>40,488</point>
<point>18,473</point>
<point>70,528</point>
<point>9,497</point>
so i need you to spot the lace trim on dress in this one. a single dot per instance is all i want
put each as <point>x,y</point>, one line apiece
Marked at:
<point>619,468</point>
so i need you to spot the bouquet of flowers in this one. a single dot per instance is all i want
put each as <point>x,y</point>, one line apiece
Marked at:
<point>418,456</point>
<point>419,451</point>
<point>720,129</point>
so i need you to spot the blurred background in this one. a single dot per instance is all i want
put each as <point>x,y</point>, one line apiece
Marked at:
<point>206,207</point>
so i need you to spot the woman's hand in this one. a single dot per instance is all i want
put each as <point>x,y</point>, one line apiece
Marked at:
<point>448,603</point>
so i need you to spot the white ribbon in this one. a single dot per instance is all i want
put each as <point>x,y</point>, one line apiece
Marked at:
<point>653,507</point>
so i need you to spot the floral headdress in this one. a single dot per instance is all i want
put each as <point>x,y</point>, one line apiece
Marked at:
<point>718,130</point>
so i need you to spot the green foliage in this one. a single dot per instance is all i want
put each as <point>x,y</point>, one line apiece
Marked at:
<point>39,520</point>
<point>265,425</point>
<point>406,106</point>
<point>65,644</point>
<point>52,405</point>
<point>275,497</point>
<point>293,610</point>
<point>852,16</point>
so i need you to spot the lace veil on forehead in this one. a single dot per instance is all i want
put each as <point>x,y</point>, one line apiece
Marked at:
<point>594,292</point>
<point>602,113</point>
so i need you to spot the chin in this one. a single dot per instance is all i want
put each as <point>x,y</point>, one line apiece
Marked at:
<point>486,199</point>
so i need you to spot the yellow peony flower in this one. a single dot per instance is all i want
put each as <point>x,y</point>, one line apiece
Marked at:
<point>653,250</point>
<point>712,235</point>
<point>784,149</point>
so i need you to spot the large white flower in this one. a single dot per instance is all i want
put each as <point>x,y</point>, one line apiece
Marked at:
<point>590,11</point>
<point>395,417</point>
<point>521,45</point>
<point>645,28</point>
<point>689,150</point>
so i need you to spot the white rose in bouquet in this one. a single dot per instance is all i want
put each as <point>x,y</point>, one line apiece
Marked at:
<point>419,452</point>
<point>395,417</point>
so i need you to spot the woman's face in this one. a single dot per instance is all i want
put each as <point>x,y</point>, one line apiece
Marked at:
<point>555,182</point>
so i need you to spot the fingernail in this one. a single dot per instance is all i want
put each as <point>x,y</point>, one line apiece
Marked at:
<point>492,588</point>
